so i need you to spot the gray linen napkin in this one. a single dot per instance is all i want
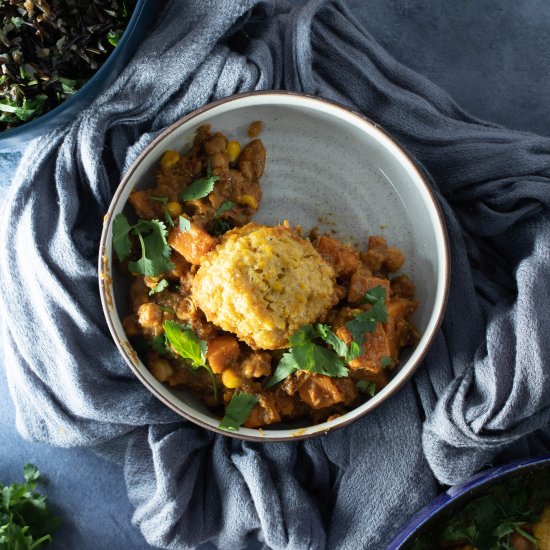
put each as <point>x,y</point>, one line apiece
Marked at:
<point>484,385</point>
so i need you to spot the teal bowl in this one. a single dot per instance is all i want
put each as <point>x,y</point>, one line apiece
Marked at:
<point>136,30</point>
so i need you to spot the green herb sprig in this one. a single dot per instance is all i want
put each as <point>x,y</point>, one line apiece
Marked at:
<point>367,320</point>
<point>26,523</point>
<point>200,188</point>
<point>155,251</point>
<point>167,217</point>
<point>189,346</point>
<point>238,411</point>
<point>305,354</point>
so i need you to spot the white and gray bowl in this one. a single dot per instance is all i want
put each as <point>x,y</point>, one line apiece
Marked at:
<point>327,167</point>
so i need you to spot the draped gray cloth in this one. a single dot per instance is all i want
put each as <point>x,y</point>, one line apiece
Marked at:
<point>484,386</point>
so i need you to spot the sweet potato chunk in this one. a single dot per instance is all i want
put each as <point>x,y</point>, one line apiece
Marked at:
<point>399,331</point>
<point>265,412</point>
<point>376,346</point>
<point>192,244</point>
<point>362,281</point>
<point>222,352</point>
<point>343,258</point>
<point>320,391</point>
<point>145,208</point>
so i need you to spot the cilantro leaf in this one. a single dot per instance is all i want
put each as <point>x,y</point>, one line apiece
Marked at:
<point>286,366</point>
<point>330,338</point>
<point>366,387</point>
<point>161,285</point>
<point>185,224</point>
<point>367,320</point>
<point>225,206</point>
<point>155,252</point>
<point>114,37</point>
<point>385,362</point>
<point>31,474</point>
<point>186,342</point>
<point>158,343</point>
<point>238,411</point>
<point>200,188</point>
<point>309,356</point>
<point>25,520</point>
<point>188,345</point>
<point>121,237</point>
<point>318,359</point>
<point>164,201</point>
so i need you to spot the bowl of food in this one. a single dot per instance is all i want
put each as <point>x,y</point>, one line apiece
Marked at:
<point>505,507</point>
<point>273,266</point>
<point>57,57</point>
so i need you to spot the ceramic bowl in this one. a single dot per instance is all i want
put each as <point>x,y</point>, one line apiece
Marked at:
<point>327,167</point>
<point>455,498</point>
<point>136,30</point>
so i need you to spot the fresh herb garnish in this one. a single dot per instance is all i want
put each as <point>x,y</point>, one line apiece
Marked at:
<point>489,521</point>
<point>114,37</point>
<point>225,206</point>
<point>367,320</point>
<point>219,226</point>
<point>164,201</point>
<point>185,224</point>
<point>304,354</point>
<point>25,521</point>
<point>121,237</point>
<point>385,362</point>
<point>167,309</point>
<point>155,252</point>
<point>160,286</point>
<point>200,188</point>
<point>158,343</point>
<point>189,346</point>
<point>366,387</point>
<point>238,410</point>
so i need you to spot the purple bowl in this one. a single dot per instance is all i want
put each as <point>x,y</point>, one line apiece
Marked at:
<point>459,495</point>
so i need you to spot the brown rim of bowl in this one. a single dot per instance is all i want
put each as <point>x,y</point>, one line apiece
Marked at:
<point>169,130</point>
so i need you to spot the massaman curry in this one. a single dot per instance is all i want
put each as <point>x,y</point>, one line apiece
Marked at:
<point>264,324</point>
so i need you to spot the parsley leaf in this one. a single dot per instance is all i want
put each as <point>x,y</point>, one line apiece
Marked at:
<point>164,201</point>
<point>200,188</point>
<point>161,285</point>
<point>225,206</point>
<point>366,387</point>
<point>187,344</point>
<point>25,521</point>
<point>238,410</point>
<point>155,252</point>
<point>367,320</point>
<point>121,237</point>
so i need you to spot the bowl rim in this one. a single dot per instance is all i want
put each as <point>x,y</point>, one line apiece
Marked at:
<point>10,138</point>
<point>441,503</point>
<point>104,277</point>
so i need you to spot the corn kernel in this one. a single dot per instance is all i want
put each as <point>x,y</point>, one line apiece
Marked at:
<point>277,286</point>
<point>233,150</point>
<point>169,159</point>
<point>174,209</point>
<point>230,379</point>
<point>249,200</point>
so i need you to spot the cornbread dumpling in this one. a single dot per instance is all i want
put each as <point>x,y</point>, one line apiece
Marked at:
<point>263,283</point>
